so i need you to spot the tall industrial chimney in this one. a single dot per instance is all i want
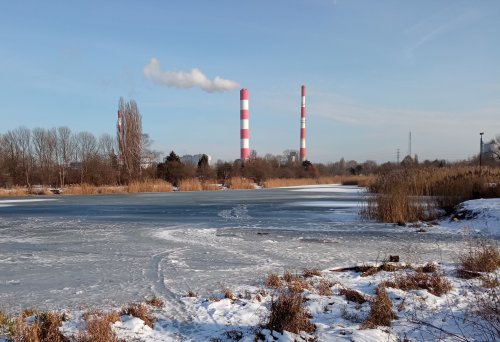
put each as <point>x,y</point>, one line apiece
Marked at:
<point>244,130</point>
<point>303,125</point>
<point>120,134</point>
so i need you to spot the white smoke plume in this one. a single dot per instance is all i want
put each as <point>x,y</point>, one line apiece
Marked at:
<point>186,80</point>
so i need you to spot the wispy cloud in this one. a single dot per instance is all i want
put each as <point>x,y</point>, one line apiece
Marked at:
<point>440,24</point>
<point>186,80</point>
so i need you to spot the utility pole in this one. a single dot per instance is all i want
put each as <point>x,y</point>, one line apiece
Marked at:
<point>409,144</point>
<point>480,151</point>
<point>397,156</point>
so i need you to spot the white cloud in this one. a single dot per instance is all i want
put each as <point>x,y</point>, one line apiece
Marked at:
<point>186,80</point>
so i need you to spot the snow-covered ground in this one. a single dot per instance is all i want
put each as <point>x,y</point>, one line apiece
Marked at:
<point>80,253</point>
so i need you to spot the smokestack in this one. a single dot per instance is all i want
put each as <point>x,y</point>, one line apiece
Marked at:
<point>120,133</point>
<point>303,125</point>
<point>244,130</point>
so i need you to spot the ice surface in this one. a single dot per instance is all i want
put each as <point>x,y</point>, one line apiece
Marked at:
<point>105,251</point>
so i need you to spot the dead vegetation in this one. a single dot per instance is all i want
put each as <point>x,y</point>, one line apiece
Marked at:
<point>155,301</point>
<point>381,313</point>
<point>480,257</point>
<point>149,185</point>
<point>140,311</point>
<point>416,194</point>
<point>311,272</point>
<point>240,183</point>
<point>344,180</point>
<point>435,282</point>
<point>288,313</point>
<point>273,281</point>
<point>353,295</point>
<point>42,327</point>
<point>190,184</point>
<point>325,288</point>
<point>98,327</point>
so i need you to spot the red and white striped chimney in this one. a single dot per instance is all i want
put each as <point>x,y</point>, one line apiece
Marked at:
<point>120,133</point>
<point>303,125</point>
<point>244,130</point>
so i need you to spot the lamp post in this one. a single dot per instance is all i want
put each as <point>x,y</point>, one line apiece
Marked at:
<point>480,150</point>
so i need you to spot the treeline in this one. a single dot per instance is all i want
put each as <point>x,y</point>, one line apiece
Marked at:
<point>58,157</point>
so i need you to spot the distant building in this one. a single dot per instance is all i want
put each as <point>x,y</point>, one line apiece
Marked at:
<point>194,159</point>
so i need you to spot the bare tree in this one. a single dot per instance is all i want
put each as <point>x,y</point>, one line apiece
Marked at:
<point>131,138</point>
<point>65,150</point>
<point>86,147</point>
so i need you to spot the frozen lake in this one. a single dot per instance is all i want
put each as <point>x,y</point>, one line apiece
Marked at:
<point>81,251</point>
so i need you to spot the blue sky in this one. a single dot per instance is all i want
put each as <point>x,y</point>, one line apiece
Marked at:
<point>374,71</point>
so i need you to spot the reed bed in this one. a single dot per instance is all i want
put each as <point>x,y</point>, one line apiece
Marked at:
<point>344,180</point>
<point>14,191</point>
<point>210,186</point>
<point>149,185</point>
<point>240,183</point>
<point>408,195</point>
<point>190,184</point>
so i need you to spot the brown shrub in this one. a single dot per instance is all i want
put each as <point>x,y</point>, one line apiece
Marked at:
<point>239,183</point>
<point>381,312</point>
<point>311,272</point>
<point>480,258</point>
<point>45,328</point>
<point>273,281</point>
<point>490,282</point>
<point>353,296</point>
<point>325,288</point>
<point>140,311</point>
<point>190,184</point>
<point>435,282</point>
<point>288,313</point>
<point>155,301</point>
<point>99,327</point>
<point>288,276</point>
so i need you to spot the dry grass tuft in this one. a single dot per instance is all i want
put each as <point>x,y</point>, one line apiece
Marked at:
<point>6,324</point>
<point>273,281</point>
<point>191,293</point>
<point>482,257</point>
<point>149,185</point>
<point>155,301</point>
<point>44,328</point>
<point>288,313</point>
<point>427,268</point>
<point>99,327</point>
<point>311,272</point>
<point>353,296</point>
<point>381,313</point>
<point>239,183</point>
<point>228,293</point>
<point>325,288</point>
<point>435,282</point>
<point>490,282</point>
<point>140,311</point>
<point>190,184</point>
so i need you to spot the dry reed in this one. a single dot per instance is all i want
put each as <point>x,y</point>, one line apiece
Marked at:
<point>381,313</point>
<point>407,195</point>
<point>435,282</point>
<point>344,180</point>
<point>14,191</point>
<point>98,327</point>
<point>239,183</point>
<point>288,313</point>
<point>140,311</point>
<point>190,184</point>
<point>149,185</point>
